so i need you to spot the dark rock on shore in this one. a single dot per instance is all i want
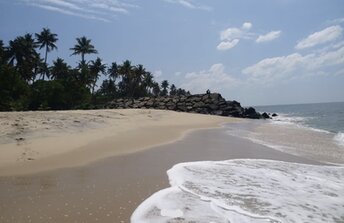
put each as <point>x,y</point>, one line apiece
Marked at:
<point>211,103</point>
<point>265,115</point>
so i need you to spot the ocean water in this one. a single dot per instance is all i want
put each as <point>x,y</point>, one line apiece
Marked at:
<point>323,116</point>
<point>314,131</point>
<point>254,190</point>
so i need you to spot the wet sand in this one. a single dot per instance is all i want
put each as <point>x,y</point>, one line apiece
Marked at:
<point>110,190</point>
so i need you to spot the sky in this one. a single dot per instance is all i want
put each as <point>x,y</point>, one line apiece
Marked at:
<point>257,52</point>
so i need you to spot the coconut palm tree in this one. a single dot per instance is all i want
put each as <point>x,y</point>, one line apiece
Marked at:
<point>2,52</point>
<point>113,72</point>
<point>156,89</point>
<point>125,71</point>
<point>173,90</point>
<point>164,86</point>
<point>137,85</point>
<point>22,54</point>
<point>83,47</point>
<point>148,82</point>
<point>60,69</point>
<point>96,69</point>
<point>46,39</point>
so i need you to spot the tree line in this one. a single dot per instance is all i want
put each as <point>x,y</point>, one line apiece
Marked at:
<point>29,82</point>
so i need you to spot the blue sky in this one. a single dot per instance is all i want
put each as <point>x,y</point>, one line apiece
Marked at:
<point>257,52</point>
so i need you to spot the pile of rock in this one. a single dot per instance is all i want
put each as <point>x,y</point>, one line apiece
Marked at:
<point>211,103</point>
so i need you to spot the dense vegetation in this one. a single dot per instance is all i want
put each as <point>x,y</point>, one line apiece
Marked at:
<point>28,82</point>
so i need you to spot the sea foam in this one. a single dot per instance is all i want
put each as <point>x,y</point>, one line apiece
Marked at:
<point>339,138</point>
<point>247,191</point>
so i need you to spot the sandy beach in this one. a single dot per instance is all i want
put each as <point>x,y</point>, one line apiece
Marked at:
<point>100,189</point>
<point>38,141</point>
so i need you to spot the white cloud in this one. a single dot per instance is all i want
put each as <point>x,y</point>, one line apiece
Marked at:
<point>215,79</point>
<point>103,10</point>
<point>295,65</point>
<point>326,35</point>
<point>189,4</point>
<point>226,45</point>
<point>247,26</point>
<point>230,37</point>
<point>269,36</point>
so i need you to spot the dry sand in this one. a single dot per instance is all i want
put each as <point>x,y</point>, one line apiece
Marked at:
<point>38,141</point>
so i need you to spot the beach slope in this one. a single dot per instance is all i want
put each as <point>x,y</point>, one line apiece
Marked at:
<point>45,140</point>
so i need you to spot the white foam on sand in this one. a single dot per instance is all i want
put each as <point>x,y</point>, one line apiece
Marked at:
<point>247,191</point>
<point>339,138</point>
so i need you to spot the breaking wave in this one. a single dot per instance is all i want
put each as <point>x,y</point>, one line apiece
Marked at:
<point>247,191</point>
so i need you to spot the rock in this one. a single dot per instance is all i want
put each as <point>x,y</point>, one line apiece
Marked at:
<point>274,115</point>
<point>251,113</point>
<point>218,112</point>
<point>265,115</point>
<point>211,103</point>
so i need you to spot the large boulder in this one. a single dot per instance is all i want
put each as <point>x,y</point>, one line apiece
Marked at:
<point>251,113</point>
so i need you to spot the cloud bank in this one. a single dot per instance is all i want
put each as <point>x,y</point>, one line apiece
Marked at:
<point>295,65</point>
<point>326,35</point>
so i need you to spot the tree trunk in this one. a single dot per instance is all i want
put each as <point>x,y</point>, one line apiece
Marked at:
<point>45,61</point>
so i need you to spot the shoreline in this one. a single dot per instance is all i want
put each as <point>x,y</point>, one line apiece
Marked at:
<point>117,132</point>
<point>111,189</point>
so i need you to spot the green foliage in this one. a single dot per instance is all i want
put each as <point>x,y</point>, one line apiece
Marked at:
<point>48,95</point>
<point>58,95</point>
<point>14,92</point>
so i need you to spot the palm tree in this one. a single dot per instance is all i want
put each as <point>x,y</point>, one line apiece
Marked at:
<point>148,82</point>
<point>22,55</point>
<point>156,89</point>
<point>83,47</point>
<point>137,86</point>
<point>125,71</point>
<point>2,52</point>
<point>164,86</point>
<point>46,39</point>
<point>96,69</point>
<point>173,90</point>
<point>60,69</point>
<point>113,71</point>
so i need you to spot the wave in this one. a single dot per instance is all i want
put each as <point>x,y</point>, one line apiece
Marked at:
<point>301,122</point>
<point>247,191</point>
<point>339,138</point>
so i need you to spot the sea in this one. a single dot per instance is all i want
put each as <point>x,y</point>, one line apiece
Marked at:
<point>258,190</point>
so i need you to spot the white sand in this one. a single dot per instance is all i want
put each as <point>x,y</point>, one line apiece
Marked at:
<point>38,141</point>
